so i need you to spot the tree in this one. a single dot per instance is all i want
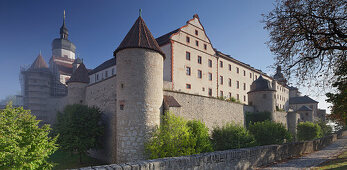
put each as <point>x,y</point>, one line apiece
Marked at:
<point>268,132</point>
<point>339,99</point>
<point>308,37</point>
<point>79,128</point>
<point>308,131</point>
<point>172,138</point>
<point>200,132</point>
<point>23,144</point>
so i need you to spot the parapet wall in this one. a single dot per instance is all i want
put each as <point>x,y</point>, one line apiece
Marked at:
<point>245,158</point>
<point>213,112</point>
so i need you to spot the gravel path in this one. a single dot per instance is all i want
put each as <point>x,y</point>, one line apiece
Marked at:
<point>313,159</point>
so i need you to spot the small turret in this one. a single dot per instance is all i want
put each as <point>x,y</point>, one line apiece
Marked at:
<point>76,64</point>
<point>261,96</point>
<point>77,85</point>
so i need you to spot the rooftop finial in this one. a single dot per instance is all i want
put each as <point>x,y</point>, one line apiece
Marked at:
<point>64,16</point>
<point>140,12</point>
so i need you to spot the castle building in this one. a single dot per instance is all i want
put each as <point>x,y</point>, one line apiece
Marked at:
<point>180,71</point>
<point>44,86</point>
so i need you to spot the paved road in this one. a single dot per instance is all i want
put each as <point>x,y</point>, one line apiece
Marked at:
<point>313,159</point>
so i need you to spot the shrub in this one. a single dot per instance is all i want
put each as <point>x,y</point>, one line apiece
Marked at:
<point>326,129</point>
<point>200,132</point>
<point>23,144</point>
<point>231,136</point>
<point>268,132</point>
<point>172,138</point>
<point>308,131</point>
<point>79,127</point>
<point>256,117</point>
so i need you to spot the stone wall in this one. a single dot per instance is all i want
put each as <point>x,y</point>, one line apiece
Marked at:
<point>103,95</point>
<point>280,117</point>
<point>213,112</point>
<point>244,158</point>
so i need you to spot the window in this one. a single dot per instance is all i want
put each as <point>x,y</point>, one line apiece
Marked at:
<point>188,71</point>
<point>237,70</point>
<point>112,71</point>
<point>237,97</point>
<point>221,64</point>
<point>229,82</point>
<point>244,98</point>
<point>250,75</point>
<point>196,32</point>
<point>106,73</point>
<point>229,67</point>
<point>237,84</point>
<point>221,93</point>
<point>203,89</point>
<point>121,106</point>
<point>256,77</point>
<point>199,74</point>
<point>210,92</point>
<point>229,95</point>
<point>188,86</point>
<point>244,73</point>
<point>205,46</point>
<point>187,39</point>
<point>221,79</point>
<point>209,63</point>
<point>244,86</point>
<point>187,55</point>
<point>197,43</point>
<point>97,76</point>
<point>199,59</point>
<point>210,76</point>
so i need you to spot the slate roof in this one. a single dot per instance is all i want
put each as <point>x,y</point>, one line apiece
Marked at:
<point>171,101</point>
<point>301,100</point>
<point>80,75</point>
<point>304,108</point>
<point>39,63</point>
<point>139,36</point>
<point>165,38</point>
<point>109,63</point>
<point>261,84</point>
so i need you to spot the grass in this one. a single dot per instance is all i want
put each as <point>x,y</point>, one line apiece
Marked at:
<point>64,160</point>
<point>339,163</point>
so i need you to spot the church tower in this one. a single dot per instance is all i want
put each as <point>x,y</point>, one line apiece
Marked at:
<point>62,47</point>
<point>139,91</point>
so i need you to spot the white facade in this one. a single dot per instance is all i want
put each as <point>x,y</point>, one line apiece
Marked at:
<point>103,74</point>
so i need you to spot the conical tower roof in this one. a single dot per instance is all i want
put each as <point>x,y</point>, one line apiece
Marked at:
<point>80,75</point>
<point>139,36</point>
<point>39,63</point>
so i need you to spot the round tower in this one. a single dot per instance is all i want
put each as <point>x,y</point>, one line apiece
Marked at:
<point>262,96</point>
<point>77,85</point>
<point>139,91</point>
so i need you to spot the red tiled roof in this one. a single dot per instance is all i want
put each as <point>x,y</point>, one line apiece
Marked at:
<point>80,75</point>
<point>139,36</point>
<point>39,63</point>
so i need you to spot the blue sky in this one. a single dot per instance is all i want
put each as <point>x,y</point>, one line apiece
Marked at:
<point>97,27</point>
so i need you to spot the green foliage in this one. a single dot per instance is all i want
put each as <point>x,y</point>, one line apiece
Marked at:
<point>268,132</point>
<point>23,144</point>
<point>339,99</point>
<point>79,127</point>
<point>308,131</point>
<point>200,132</point>
<point>256,117</point>
<point>326,129</point>
<point>231,136</point>
<point>172,138</point>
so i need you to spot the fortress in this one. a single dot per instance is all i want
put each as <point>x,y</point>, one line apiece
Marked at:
<point>180,72</point>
